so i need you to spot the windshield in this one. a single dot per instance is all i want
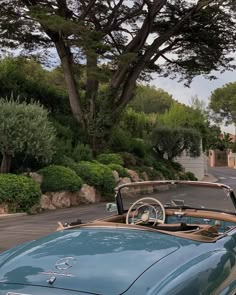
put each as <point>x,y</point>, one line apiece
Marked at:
<point>207,196</point>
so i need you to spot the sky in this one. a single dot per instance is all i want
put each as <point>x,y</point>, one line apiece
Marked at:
<point>200,86</point>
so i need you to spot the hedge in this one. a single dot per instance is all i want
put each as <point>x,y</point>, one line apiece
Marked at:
<point>97,175</point>
<point>21,193</point>
<point>110,158</point>
<point>59,178</point>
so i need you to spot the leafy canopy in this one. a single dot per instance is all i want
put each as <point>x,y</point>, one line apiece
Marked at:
<point>223,103</point>
<point>132,39</point>
<point>171,142</point>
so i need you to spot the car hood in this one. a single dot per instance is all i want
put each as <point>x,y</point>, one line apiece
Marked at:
<point>98,261</point>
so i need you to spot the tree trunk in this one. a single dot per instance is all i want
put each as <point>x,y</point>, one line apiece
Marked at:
<point>6,163</point>
<point>66,61</point>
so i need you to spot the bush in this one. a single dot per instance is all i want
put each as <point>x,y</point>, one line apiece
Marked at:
<point>59,178</point>
<point>97,175</point>
<point>120,140</point>
<point>138,147</point>
<point>121,170</point>
<point>128,159</point>
<point>191,176</point>
<point>82,152</point>
<point>21,193</point>
<point>110,159</point>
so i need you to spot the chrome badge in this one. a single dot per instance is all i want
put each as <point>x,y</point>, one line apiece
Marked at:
<point>65,263</point>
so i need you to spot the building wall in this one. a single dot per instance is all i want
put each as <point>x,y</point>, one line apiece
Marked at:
<point>198,165</point>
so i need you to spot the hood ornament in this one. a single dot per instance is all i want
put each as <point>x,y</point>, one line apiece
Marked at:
<point>62,265</point>
<point>65,263</point>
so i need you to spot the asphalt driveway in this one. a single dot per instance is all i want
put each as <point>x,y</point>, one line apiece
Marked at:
<point>17,230</point>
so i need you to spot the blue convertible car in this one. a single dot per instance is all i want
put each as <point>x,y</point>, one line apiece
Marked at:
<point>167,237</point>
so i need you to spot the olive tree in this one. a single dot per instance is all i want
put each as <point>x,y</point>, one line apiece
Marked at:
<point>24,128</point>
<point>171,142</point>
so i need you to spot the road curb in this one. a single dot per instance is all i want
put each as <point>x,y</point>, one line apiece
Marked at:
<point>209,178</point>
<point>6,216</point>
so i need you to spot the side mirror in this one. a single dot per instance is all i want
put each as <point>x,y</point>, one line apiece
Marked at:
<point>111,207</point>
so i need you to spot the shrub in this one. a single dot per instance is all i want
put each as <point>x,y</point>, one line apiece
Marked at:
<point>110,159</point>
<point>58,178</point>
<point>138,147</point>
<point>191,176</point>
<point>82,152</point>
<point>21,193</point>
<point>121,170</point>
<point>120,140</point>
<point>129,159</point>
<point>25,129</point>
<point>97,175</point>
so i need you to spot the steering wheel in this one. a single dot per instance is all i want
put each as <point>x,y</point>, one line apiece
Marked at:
<point>146,210</point>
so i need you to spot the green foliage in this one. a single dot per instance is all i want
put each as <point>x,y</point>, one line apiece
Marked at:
<point>110,158</point>
<point>59,178</point>
<point>121,170</point>
<point>97,175</point>
<point>19,192</point>
<point>82,152</point>
<point>173,141</point>
<point>223,103</point>
<point>138,147</point>
<point>191,176</point>
<point>120,139</point>
<point>28,80</point>
<point>139,124</point>
<point>25,128</point>
<point>129,159</point>
<point>149,100</point>
<point>180,115</point>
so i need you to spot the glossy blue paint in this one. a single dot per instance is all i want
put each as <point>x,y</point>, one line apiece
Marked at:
<point>103,256</point>
<point>115,261</point>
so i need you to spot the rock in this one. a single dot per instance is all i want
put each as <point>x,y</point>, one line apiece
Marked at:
<point>74,199</point>
<point>4,208</point>
<point>36,209</point>
<point>61,199</point>
<point>99,197</point>
<point>134,175</point>
<point>36,177</point>
<point>45,202</point>
<point>87,194</point>
<point>124,180</point>
<point>116,176</point>
<point>145,176</point>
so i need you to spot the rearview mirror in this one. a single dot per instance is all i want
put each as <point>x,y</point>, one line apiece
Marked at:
<point>111,207</point>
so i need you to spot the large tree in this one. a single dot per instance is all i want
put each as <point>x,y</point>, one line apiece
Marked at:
<point>129,38</point>
<point>223,104</point>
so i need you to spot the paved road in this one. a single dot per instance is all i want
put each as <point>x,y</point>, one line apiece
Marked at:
<point>225,175</point>
<point>17,230</point>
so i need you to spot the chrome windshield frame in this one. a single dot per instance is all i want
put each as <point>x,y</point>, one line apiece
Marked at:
<point>228,189</point>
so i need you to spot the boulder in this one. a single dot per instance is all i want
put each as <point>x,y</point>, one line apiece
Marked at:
<point>4,208</point>
<point>61,199</point>
<point>134,175</point>
<point>145,176</point>
<point>87,194</point>
<point>116,176</point>
<point>36,177</point>
<point>74,199</point>
<point>124,180</point>
<point>45,202</point>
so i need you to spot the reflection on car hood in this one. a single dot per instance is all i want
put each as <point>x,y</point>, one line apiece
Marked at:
<point>96,261</point>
